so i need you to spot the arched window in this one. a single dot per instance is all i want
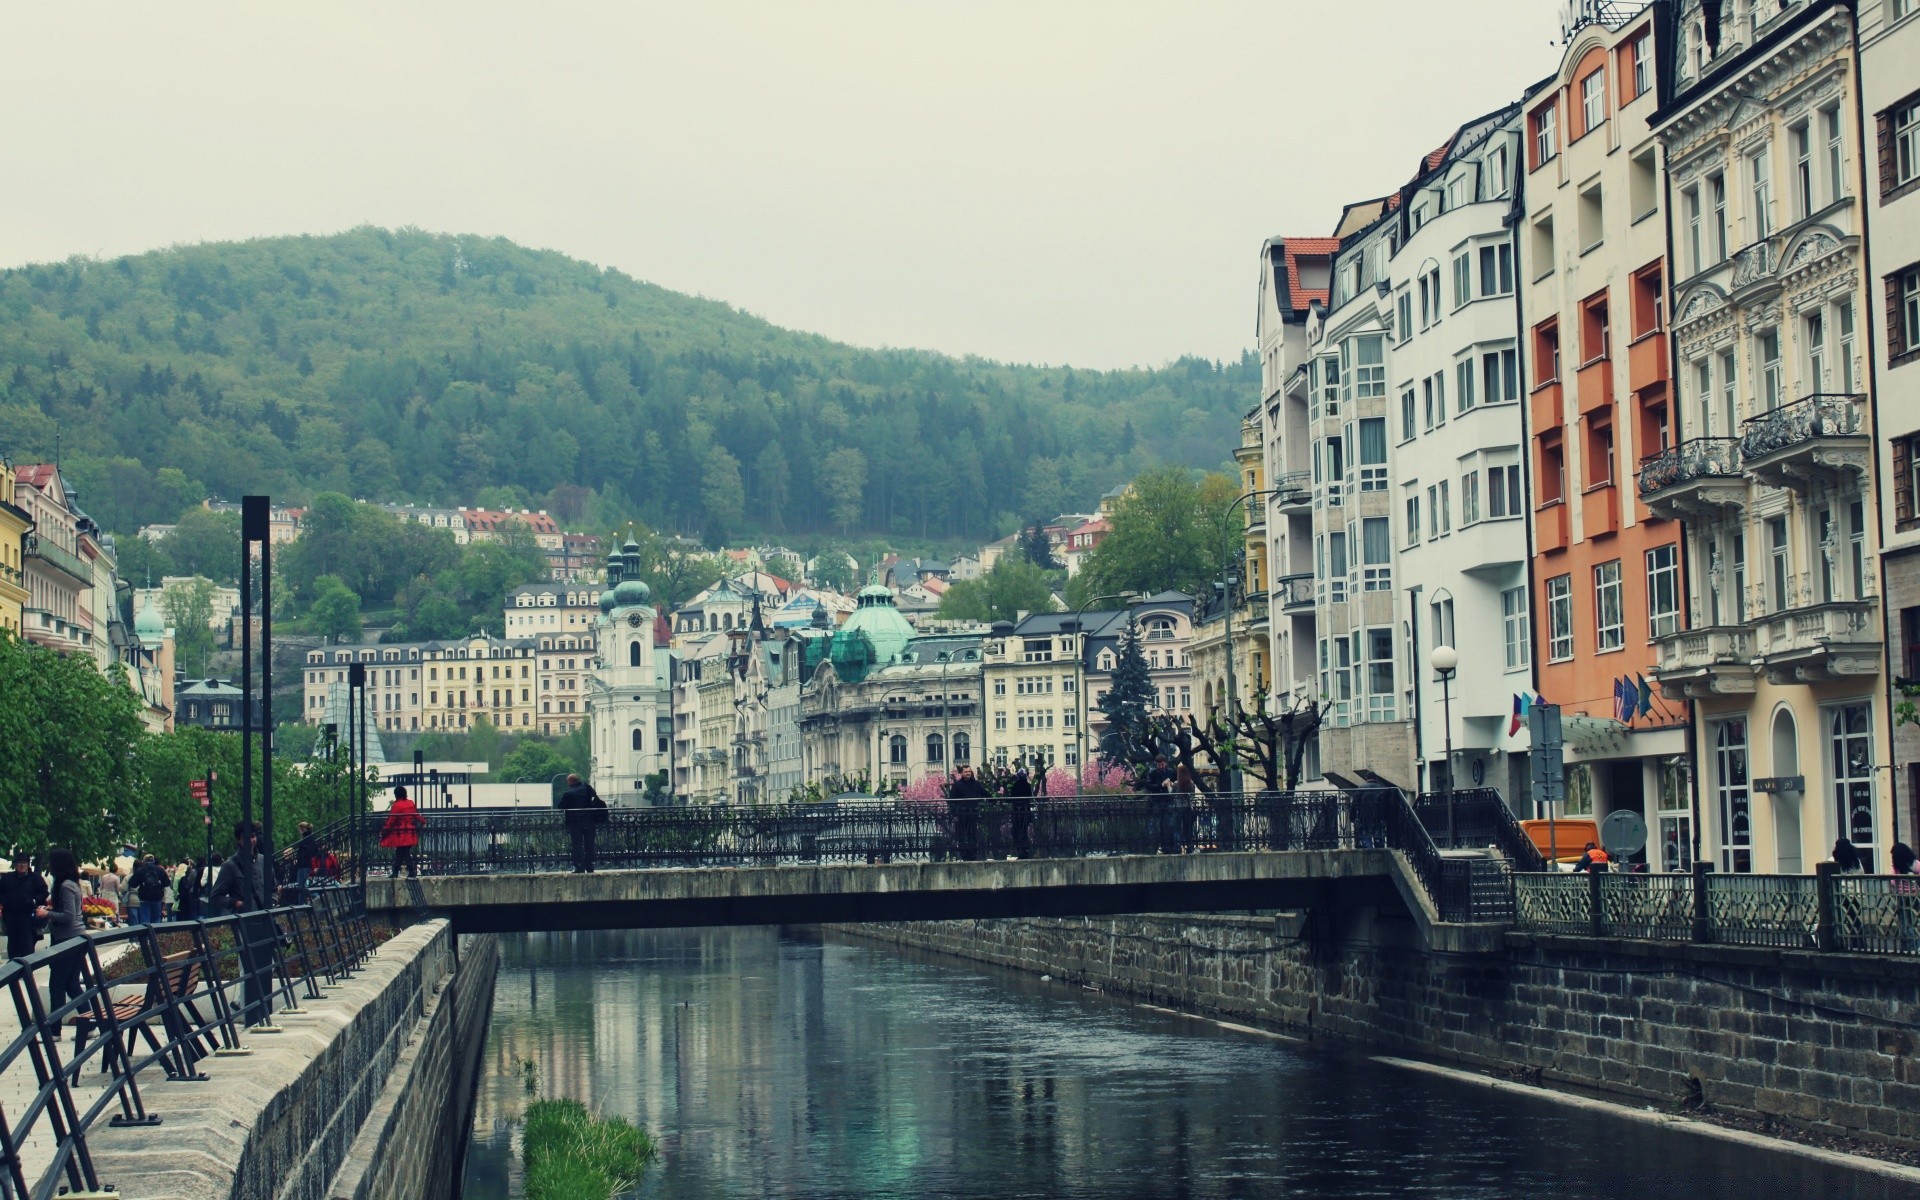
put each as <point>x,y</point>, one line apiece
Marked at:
<point>1159,629</point>
<point>636,740</point>
<point>935,748</point>
<point>633,653</point>
<point>897,750</point>
<point>962,748</point>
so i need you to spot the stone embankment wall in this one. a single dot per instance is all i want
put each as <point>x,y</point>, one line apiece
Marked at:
<point>367,1094</point>
<point>1818,1040</point>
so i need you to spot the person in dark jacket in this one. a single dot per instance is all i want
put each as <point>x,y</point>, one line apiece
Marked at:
<point>964,795</point>
<point>186,891</point>
<point>585,810</point>
<point>1020,791</point>
<point>23,905</point>
<point>1846,856</point>
<point>148,883</point>
<point>245,886</point>
<point>63,980</point>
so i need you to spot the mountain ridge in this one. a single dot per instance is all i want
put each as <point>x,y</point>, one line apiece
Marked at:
<point>452,368</point>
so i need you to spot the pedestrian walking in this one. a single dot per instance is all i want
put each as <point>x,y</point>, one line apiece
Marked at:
<point>244,886</point>
<point>964,795</point>
<point>586,811</point>
<point>106,886</point>
<point>148,883</point>
<point>401,833</point>
<point>306,860</point>
<point>1182,787</point>
<point>23,906</point>
<point>65,924</point>
<point>186,891</point>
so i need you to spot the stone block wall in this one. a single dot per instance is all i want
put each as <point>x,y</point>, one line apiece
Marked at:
<point>280,1122</point>
<point>1819,1040</point>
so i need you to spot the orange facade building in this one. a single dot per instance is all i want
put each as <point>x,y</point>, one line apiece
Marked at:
<point>1606,572</point>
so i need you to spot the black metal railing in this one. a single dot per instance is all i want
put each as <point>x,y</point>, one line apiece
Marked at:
<point>1695,458</point>
<point>1823,911</point>
<point>1479,819</point>
<point>1822,415</point>
<point>146,1004</point>
<point>519,841</point>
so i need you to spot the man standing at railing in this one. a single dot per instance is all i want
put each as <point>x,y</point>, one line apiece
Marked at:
<point>243,887</point>
<point>964,795</point>
<point>585,809</point>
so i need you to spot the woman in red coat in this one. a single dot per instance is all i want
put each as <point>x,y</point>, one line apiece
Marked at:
<point>401,833</point>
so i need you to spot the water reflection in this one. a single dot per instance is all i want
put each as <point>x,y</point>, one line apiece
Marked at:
<point>774,1066</point>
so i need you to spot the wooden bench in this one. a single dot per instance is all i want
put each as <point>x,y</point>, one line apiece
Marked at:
<point>134,1015</point>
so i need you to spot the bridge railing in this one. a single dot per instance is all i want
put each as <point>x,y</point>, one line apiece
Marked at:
<point>1476,818</point>
<point>96,1019</point>
<point>1873,914</point>
<point>517,841</point>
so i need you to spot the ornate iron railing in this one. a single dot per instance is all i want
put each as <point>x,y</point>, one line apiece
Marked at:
<point>1877,914</point>
<point>518,841</point>
<point>1821,415</point>
<point>1646,906</point>
<point>148,1002</point>
<point>1763,910</point>
<point>1553,903</point>
<point>1695,458</point>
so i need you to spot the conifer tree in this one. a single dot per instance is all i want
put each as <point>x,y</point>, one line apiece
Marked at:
<point>1128,704</point>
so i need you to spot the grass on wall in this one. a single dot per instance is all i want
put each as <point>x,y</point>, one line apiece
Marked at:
<point>570,1155</point>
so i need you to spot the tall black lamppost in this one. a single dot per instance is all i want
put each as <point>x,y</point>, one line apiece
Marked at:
<point>356,761</point>
<point>256,527</point>
<point>330,732</point>
<point>1445,661</point>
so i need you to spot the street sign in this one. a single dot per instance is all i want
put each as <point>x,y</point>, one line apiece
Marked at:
<point>1773,785</point>
<point>198,789</point>
<point>1623,832</point>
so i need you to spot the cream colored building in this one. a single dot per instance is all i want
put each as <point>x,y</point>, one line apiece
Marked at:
<point>1784,661</point>
<point>14,526</point>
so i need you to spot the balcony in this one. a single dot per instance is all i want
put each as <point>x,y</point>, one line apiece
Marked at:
<point>1819,642</point>
<point>1295,593</point>
<point>1293,493</point>
<point>1810,444</point>
<point>1647,360</point>
<point>1544,407</point>
<point>65,561</point>
<point>1599,511</point>
<point>1698,477</point>
<point>1594,386</point>
<point>1256,612</point>
<point>1550,525</point>
<point>1697,663</point>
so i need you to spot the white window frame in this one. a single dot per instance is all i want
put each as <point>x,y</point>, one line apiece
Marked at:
<point>1593,99</point>
<point>1516,631</point>
<point>1609,610</point>
<point>1904,128</point>
<point>1663,591</point>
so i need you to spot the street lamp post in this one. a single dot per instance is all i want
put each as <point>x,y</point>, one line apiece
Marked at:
<point>1445,661</point>
<point>1229,580</point>
<point>1080,685</point>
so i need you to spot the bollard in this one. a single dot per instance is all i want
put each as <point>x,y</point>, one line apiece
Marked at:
<point>1823,930</point>
<point>1595,907</point>
<point>1702,917</point>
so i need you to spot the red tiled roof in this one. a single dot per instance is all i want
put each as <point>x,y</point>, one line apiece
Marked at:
<point>1439,156</point>
<point>36,474</point>
<point>1295,248</point>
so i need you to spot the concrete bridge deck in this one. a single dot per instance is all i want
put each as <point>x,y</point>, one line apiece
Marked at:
<point>810,893</point>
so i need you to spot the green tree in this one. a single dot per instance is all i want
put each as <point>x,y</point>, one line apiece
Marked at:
<point>843,476</point>
<point>207,543</point>
<point>67,736</point>
<point>772,479</point>
<point>1035,547</point>
<point>1169,532</point>
<point>335,612</point>
<point>1012,587</point>
<point>189,609</point>
<point>722,494</point>
<point>1128,704</point>
<point>533,762</point>
<point>834,568</point>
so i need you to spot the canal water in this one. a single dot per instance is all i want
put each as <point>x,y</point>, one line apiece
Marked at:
<point>768,1065</point>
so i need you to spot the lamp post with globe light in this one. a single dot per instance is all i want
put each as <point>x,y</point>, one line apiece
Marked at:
<point>1445,660</point>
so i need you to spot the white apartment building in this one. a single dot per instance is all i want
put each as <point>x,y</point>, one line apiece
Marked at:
<point>1890,93</point>
<point>1770,303</point>
<point>1452,539</point>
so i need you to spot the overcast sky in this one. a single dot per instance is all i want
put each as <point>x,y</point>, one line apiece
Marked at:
<point>1036,182</point>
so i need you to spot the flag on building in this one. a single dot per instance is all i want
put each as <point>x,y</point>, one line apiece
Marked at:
<point>1646,696</point>
<point>1519,713</point>
<point>1624,698</point>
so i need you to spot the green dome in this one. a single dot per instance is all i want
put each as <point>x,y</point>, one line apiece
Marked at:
<point>148,622</point>
<point>881,622</point>
<point>606,601</point>
<point>631,593</point>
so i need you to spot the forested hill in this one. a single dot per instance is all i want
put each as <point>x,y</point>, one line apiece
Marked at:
<point>443,369</point>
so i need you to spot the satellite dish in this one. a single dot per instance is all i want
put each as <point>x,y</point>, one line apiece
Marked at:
<point>1623,832</point>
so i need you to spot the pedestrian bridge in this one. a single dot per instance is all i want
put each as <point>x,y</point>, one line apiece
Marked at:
<point>511,870</point>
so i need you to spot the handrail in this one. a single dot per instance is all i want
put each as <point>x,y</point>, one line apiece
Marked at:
<point>1480,818</point>
<point>166,1001</point>
<point>534,840</point>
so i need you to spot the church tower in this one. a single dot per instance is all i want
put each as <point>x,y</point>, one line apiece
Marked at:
<point>627,691</point>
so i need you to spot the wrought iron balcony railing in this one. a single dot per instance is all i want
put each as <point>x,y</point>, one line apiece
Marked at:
<point>1695,458</point>
<point>66,560</point>
<point>1822,415</point>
